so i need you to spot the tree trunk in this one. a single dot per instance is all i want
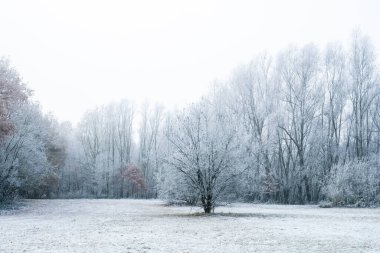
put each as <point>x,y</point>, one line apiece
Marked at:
<point>207,203</point>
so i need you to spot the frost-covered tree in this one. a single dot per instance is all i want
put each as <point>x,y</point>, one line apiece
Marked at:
<point>334,79</point>
<point>299,72</point>
<point>149,159</point>
<point>364,89</point>
<point>12,92</point>
<point>105,135</point>
<point>355,183</point>
<point>206,151</point>
<point>24,166</point>
<point>254,100</point>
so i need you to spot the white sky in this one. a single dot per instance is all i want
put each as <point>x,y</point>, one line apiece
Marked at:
<point>79,54</point>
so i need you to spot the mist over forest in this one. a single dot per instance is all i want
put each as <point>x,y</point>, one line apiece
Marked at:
<point>298,127</point>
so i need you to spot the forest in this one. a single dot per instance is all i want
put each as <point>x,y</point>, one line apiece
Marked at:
<point>298,127</point>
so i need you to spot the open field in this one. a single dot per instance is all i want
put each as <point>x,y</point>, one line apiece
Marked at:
<point>149,226</point>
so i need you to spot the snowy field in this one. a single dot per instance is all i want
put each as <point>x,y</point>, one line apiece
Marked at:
<point>149,226</point>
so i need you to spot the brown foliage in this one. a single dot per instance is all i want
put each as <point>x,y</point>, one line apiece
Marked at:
<point>12,92</point>
<point>135,177</point>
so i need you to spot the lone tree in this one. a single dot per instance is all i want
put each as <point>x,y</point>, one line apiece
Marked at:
<point>205,151</point>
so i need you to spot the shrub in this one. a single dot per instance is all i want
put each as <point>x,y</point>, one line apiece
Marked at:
<point>356,183</point>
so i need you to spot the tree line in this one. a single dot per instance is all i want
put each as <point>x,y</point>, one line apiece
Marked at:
<point>299,127</point>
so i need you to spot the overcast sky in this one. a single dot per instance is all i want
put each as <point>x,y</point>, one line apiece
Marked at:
<point>79,54</point>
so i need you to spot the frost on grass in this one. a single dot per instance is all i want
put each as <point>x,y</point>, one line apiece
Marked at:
<point>150,226</point>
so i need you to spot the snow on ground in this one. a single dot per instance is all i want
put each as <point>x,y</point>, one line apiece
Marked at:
<point>149,226</point>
